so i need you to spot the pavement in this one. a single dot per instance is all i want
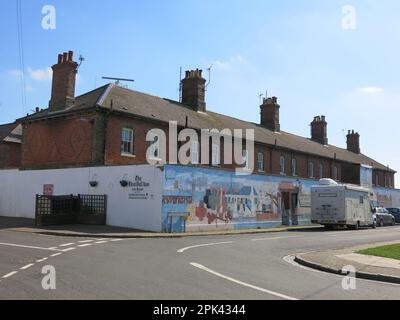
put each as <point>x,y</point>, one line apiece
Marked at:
<point>79,230</point>
<point>365,266</point>
<point>211,267</point>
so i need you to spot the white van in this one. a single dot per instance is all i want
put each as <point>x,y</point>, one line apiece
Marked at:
<point>334,204</point>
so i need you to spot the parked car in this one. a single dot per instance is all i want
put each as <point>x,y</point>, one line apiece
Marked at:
<point>395,212</point>
<point>383,217</point>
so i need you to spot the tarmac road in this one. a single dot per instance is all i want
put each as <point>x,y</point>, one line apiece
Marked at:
<point>237,267</point>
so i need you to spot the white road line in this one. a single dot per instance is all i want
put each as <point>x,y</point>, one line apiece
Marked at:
<point>101,242</point>
<point>29,247</point>
<point>56,254</point>
<point>27,266</point>
<point>203,245</point>
<point>275,238</point>
<point>9,275</point>
<point>69,249</point>
<point>101,239</point>
<point>84,245</point>
<point>67,244</point>
<point>116,240</point>
<point>41,260</point>
<point>85,241</point>
<point>201,267</point>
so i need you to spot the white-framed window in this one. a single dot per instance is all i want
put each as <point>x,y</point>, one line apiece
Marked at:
<point>215,155</point>
<point>377,179</point>
<point>294,167</point>
<point>154,150</point>
<point>195,152</point>
<point>127,141</point>
<point>260,161</point>
<point>282,165</point>
<point>311,169</point>
<point>390,182</point>
<point>321,171</point>
<point>335,173</point>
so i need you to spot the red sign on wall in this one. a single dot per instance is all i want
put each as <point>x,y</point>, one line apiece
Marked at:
<point>48,189</point>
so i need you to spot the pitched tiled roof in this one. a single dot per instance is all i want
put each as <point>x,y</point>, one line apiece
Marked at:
<point>6,129</point>
<point>160,109</point>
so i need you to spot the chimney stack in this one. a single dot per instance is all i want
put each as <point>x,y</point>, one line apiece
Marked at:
<point>194,90</point>
<point>270,114</point>
<point>63,86</point>
<point>353,142</point>
<point>319,130</point>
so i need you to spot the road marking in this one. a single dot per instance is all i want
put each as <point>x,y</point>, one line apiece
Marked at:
<point>100,242</point>
<point>67,244</point>
<point>116,240</point>
<point>85,241</point>
<point>27,266</point>
<point>9,274</point>
<point>69,249</point>
<point>41,260</point>
<point>29,247</point>
<point>101,239</point>
<point>84,245</point>
<point>201,267</point>
<point>275,238</point>
<point>203,245</point>
<point>56,254</point>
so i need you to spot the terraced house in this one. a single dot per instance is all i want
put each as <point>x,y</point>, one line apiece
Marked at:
<point>107,127</point>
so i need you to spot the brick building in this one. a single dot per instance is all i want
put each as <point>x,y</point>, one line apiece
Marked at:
<point>108,126</point>
<point>10,145</point>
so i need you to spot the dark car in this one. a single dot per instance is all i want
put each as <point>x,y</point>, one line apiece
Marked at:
<point>383,217</point>
<point>395,212</point>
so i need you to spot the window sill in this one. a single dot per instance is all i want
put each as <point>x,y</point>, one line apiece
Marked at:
<point>127,155</point>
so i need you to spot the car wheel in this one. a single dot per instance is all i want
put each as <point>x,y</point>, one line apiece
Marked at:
<point>381,224</point>
<point>374,225</point>
<point>393,223</point>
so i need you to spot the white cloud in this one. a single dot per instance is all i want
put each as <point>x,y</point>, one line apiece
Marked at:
<point>370,90</point>
<point>41,74</point>
<point>230,63</point>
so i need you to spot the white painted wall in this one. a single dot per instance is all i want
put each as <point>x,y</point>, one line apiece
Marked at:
<point>18,190</point>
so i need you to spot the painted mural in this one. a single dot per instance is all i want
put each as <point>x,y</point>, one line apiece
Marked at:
<point>387,197</point>
<point>200,199</point>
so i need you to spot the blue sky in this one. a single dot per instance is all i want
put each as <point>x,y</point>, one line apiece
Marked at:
<point>297,50</point>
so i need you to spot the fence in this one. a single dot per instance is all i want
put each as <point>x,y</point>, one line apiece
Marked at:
<point>70,209</point>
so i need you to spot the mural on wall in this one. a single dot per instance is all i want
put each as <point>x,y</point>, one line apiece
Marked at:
<point>387,197</point>
<point>205,199</point>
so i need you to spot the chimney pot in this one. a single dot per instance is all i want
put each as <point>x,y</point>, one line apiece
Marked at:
<point>353,142</point>
<point>63,85</point>
<point>270,114</point>
<point>319,130</point>
<point>193,90</point>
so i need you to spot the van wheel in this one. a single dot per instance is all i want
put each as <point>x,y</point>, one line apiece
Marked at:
<point>357,226</point>
<point>374,225</point>
<point>329,227</point>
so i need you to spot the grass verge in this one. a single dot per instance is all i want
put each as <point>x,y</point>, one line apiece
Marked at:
<point>390,251</point>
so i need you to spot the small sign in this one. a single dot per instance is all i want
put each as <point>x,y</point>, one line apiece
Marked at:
<point>48,189</point>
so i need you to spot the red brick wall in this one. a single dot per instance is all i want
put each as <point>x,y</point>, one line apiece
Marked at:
<point>10,155</point>
<point>113,139</point>
<point>57,143</point>
<point>381,178</point>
